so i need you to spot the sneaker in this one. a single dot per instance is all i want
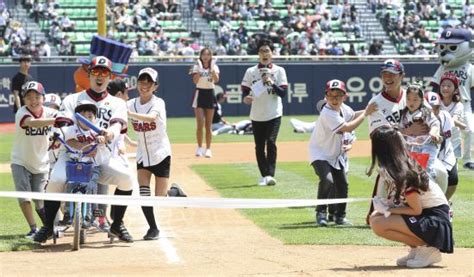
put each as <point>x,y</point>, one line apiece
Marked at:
<point>121,233</point>
<point>262,181</point>
<point>330,217</point>
<point>43,235</point>
<point>31,233</point>
<point>152,234</point>
<point>208,153</point>
<point>67,220</point>
<point>469,165</point>
<point>321,219</point>
<point>104,224</point>
<point>176,191</point>
<point>215,133</point>
<point>270,181</point>
<point>425,256</point>
<point>342,221</point>
<point>411,255</point>
<point>199,152</point>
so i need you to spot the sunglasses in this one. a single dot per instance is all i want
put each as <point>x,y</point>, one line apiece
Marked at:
<point>100,72</point>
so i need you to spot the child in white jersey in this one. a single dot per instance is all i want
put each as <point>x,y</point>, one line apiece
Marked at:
<point>79,136</point>
<point>417,111</point>
<point>415,211</point>
<point>148,115</point>
<point>451,102</point>
<point>328,146</point>
<point>30,162</point>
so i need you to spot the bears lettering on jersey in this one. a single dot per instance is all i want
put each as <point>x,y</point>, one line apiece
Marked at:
<point>143,126</point>
<point>43,131</point>
<point>395,117</point>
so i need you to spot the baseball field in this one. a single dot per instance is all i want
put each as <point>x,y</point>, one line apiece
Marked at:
<point>271,242</point>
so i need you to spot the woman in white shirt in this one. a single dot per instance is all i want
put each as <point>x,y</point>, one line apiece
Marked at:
<point>205,74</point>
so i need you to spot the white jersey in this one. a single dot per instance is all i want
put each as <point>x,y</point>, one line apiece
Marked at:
<point>110,109</point>
<point>117,144</point>
<point>153,143</point>
<point>30,147</point>
<point>326,140</point>
<point>465,73</point>
<point>389,110</point>
<point>456,110</point>
<point>446,153</point>
<point>410,117</point>
<point>205,78</point>
<point>268,105</point>
<point>88,137</point>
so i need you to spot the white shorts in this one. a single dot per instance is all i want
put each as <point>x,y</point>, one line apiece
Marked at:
<point>112,173</point>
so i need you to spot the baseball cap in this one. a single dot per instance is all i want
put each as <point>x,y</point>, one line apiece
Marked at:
<point>33,85</point>
<point>117,85</point>
<point>392,66</point>
<point>100,61</point>
<point>432,98</point>
<point>336,84</point>
<point>450,76</point>
<point>454,36</point>
<point>86,105</point>
<point>53,99</point>
<point>150,72</point>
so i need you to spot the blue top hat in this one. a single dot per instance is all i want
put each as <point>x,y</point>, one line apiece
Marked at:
<point>119,53</point>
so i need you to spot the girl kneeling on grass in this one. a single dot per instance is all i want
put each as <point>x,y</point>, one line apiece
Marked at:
<point>415,211</point>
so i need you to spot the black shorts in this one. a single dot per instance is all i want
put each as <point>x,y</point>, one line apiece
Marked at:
<point>159,170</point>
<point>433,227</point>
<point>453,178</point>
<point>204,99</point>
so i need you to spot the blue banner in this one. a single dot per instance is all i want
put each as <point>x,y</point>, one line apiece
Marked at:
<point>306,84</point>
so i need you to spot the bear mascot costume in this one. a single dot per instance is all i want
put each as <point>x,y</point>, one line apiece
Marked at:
<point>455,55</point>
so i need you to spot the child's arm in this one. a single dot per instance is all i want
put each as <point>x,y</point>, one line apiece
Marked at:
<point>352,125</point>
<point>38,122</point>
<point>414,205</point>
<point>460,124</point>
<point>151,117</point>
<point>130,142</point>
<point>435,132</point>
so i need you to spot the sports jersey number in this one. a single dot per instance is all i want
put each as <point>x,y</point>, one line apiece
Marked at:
<point>104,125</point>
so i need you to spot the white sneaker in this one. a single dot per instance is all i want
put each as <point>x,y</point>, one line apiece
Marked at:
<point>199,152</point>
<point>270,181</point>
<point>262,181</point>
<point>215,133</point>
<point>208,153</point>
<point>425,256</point>
<point>411,255</point>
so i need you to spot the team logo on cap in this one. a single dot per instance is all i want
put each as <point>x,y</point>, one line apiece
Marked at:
<point>336,84</point>
<point>32,85</point>
<point>100,61</point>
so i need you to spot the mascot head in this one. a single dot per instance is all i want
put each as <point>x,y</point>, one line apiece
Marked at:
<point>454,47</point>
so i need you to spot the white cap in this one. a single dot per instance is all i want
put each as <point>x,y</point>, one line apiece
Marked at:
<point>52,98</point>
<point>150,72</point>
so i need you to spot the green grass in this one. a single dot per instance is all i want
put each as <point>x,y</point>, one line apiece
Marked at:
<point>298,180</point>
<point>13,225</point>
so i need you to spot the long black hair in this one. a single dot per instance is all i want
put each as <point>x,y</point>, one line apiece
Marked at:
<point>390,152</point>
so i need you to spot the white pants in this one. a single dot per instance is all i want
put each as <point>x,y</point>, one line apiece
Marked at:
<point>469,121</point>
<point>112,173</point>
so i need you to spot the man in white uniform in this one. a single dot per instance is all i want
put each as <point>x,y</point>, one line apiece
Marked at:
<point>112,119</point>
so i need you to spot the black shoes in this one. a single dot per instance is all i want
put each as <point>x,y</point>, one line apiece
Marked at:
<point>152,234</point>
<point>321,219</point>
<point>121,233</point>
<point>43,235</point>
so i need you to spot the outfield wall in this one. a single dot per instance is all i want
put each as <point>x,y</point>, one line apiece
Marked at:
<point>306,84</point>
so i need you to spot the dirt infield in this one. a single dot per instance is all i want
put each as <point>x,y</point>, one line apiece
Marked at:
<point>217,242</point>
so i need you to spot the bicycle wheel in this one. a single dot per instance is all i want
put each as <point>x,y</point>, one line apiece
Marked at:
<point>77,226</point>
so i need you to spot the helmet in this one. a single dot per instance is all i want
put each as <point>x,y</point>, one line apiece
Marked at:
<point>53,99</point>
